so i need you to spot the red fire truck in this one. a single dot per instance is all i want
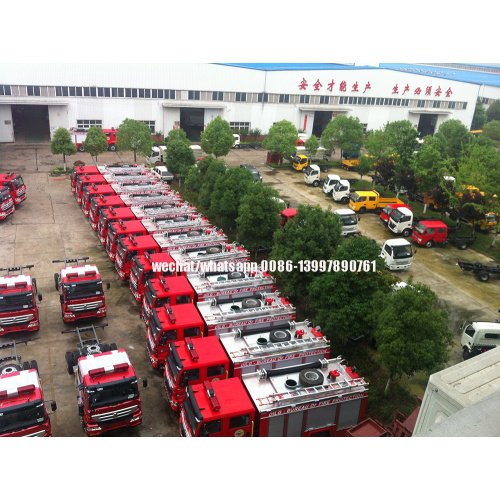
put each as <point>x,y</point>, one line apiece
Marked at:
<point>91,191</point>
<point>142,268</point>
<point>87,179</point>
<point>108,393</point>
<point>18,307</point>
<point>78,136</point>
<point>22,406</point>
<point>197,360</point>
<point>78,171</point>
<point>324,398</point>
<point>214,317</point>
<point>16,185</point>
<point>80,290</point>
<point>7,206</point>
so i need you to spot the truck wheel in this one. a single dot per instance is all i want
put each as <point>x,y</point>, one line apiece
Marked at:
<point>279,336</point>
<point>429,244</point>
<point>56,280</point>
<point>113,347</point>
<point>34,365</point>
<point>315,184</point>
<point>112,147</point>
<point>250,303</point>
<point>69,362</point>
<point>76,357</point>
<point>466,353</point>
<point>324,168</point>
<point>310,377</point>
<point>462,245</point>
<point>407,232</point>
<point>362,210</point>
<point>484,276</point>
<point>344,201</point>
<point>81,149</point>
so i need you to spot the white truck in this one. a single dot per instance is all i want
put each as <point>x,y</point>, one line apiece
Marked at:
<point>349,221</point>
<point>330,182</point>
<point>397,253</point>
<point>159,154</point>
<point>161,173</point>
<point>401,221</point>
<point>341,191</point>
<point>478,337</point>
<point>463,388</point>
<point>312,175</point>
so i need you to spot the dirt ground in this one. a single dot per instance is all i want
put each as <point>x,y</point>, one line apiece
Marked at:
<point>50,225</point>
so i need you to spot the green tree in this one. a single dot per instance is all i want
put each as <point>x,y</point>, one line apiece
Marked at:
<point>61,144</point>
<point>259,216</point>
<point>216,169</point>
<point>344,130</point>
<point>312,235</point>
<point>312,145</point>
<point>493,111</point>
<point>217,139</point>
<point>134,135</point>
<point>492,130</point>
<point>411,331</point>
<point>479,118</point>
<point>255,133</point>
<point>96,142</point>
<point>281,138</point>
<point>342,301</point>
<point>453,137</point>
<point>179,154</point>
<point>229,189</point>
<point>177,134</point>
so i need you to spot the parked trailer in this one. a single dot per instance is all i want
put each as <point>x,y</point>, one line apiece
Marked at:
<point>482,271</point>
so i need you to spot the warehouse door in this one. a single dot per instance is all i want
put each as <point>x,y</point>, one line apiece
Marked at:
<point>321,120</point>
<point>427,125</point>
<point>192,120</point>
<point>31,123</point>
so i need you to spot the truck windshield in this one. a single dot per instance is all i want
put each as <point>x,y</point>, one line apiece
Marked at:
<point>396,215</point>
<point>83,289</point>
<point>121,249</point>
<point>112,393</point>
<point>402,251</point>
<point>354,197</point>
<point>136,268</point>
<point>155,325</point>
<point>348,220</point>
<point>174,363</point>
<point>21,416</point>
<point>387,210</point>
<point>469,331</point>
<point>4,194</point>
<point>16,302</point>
<point>112,233</point>
<point>419,228</point>
<point>308,170</point>
<point>192,421</point>
<point>150,295</point>
<point>18,182</point>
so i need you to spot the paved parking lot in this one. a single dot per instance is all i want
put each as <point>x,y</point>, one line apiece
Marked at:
<point>50,225</point>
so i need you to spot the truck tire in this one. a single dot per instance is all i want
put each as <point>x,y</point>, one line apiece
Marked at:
<point>310,377</point>
<point>26,366</point>
<point>462,245</point>
<point>484,276</point>
<point>76,357</point>
<point>344,201</point>
<point>69,362</point>
<point>324,168</point>
<point>250,303</point>
<point>81,149</point>
<point>56,280</point>
<point>279,336</point>
<point>112,147</point>
<point>315,184</point>
<point>466,353</point>
<point>113,347</point>
<point>362,210</point>
<point>429,244</point>
<point>34,365</point>
<point>407,232</point>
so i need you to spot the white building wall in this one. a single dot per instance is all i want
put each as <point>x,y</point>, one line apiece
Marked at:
<point>6,124</point>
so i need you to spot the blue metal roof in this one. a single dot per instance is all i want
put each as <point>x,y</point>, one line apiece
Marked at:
<point>293,66</point>
<point>460,75</point>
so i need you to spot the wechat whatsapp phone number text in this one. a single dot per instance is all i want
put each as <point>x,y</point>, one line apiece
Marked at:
<point>324,266</point>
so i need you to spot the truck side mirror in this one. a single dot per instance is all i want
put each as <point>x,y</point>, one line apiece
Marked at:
<point>144,382</point>
<point>359,218</point>
<point>80,410</point>
<point>61,299</point>
<point>39,297</point>
<point>53,406</point>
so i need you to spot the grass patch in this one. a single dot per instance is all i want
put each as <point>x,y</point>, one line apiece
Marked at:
<point>58,171</point>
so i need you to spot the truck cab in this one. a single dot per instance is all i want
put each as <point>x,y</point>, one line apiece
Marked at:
<point>169,324</point>
<point>478,337</point>
<point>361,201</point>
<point>99,204</point>
<point>397,253</point>
<point>78,171</point>
<point>349,221</point>
<point>16,185</point>
<point>93,190</point>
<point>330,182</point>
<point>341,191</point>
<point>427,233</point>
<point>18,307</point>
<point>87,179</point>
<point>7,205</point>
<point>121,228</point>
<point>287,214</point>
<point>401,221</point>
<point>23,407</point>
<point>80,291</point>
<point>161,172</point>
<point>385,215</point>
<point>193,361</point>
<point>129,247</point>
<point>312,175</point>
<point>110,215</point>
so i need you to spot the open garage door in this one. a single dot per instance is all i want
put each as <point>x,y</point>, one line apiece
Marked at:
<point>427,124</point>
<point>192,120</point>
<point>31,123</point>
<point>321,120</point>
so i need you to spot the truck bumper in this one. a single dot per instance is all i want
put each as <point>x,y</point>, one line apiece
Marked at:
<point>70,317</point>
<point>33,326</point>
<point>96,430</point>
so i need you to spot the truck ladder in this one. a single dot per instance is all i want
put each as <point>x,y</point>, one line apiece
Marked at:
<point>278,347</point>
<point>307,393</point>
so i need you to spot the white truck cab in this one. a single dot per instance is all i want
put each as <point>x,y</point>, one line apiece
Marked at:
<point>349,221</point>
<point>330,182</point>
<point>312,175</point>
<point>161,172</point>
<point>478,337</point>
<point>397,253</point>
<point>401,221</point>
<point>341,191</point>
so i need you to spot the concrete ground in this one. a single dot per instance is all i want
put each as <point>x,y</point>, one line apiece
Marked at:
<point>50,225</point>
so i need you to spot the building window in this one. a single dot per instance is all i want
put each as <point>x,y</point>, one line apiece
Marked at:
<point>240,126</point>
<point>103,92</point>
<point>147,93</point>
<point>217,96</point>
<point>33,90</point>
<point>304,99</point>
<point>464,105</point>
<point>86,124</point>
<point>451,105</point>
<point>285,98</point>
<point>241,96</point>
<point>141,93</point>
<point>436,104</point>
<point>194,95</point>
<point>117,92</point>
<point>169,94</point>
<point>485,100</point>
<point>5,90</point>
<point>150,124</point>
<point>405,102</point>
<point>264,98</point>
<point>324,99</point>
<point>420,103</point>
<point>396,102</point>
